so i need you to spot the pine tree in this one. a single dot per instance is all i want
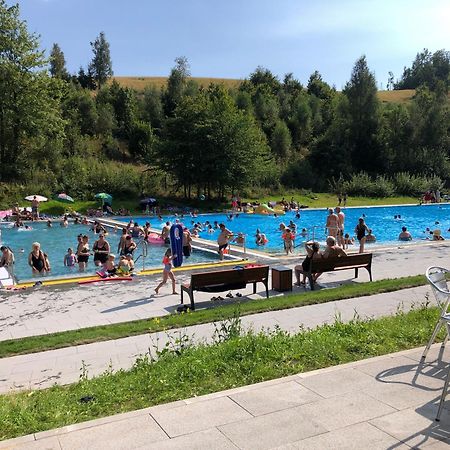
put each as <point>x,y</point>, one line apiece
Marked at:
<point>101,65</point>
<point>58,63</point>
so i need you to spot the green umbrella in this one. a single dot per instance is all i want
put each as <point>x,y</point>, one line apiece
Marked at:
<point>103,196</point>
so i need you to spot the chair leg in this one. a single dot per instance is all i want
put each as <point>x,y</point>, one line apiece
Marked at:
<point>444,342</point>
<point>433,337</point>
<point>182,296</point>
<point>445,389</point>
<point>356,273</point>
<point>311,281</point>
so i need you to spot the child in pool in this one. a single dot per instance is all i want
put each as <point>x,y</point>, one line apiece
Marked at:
<point>348,241</point>
<point>288,238</point>
<point>70,259</point>
<point>110,265</point>
<point>167,271</point>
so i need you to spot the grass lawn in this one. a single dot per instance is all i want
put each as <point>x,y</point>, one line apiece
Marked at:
<point>324,200</point>
<point>319,200</point>
<point>235,359</point>
<point>115,331</point>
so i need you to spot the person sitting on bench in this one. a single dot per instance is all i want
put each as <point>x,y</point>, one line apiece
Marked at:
<point>331,251</point>
<point>312,252</point>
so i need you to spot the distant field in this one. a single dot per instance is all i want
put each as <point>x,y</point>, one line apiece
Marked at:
<point>396,96</point>
<point>139,83</point>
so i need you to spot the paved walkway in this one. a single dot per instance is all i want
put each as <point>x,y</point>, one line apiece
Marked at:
<point>388,402</point>
<point>62,366</point>
<point>59,308</point>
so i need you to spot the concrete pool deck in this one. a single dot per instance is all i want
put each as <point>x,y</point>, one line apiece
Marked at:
<point>44,310</point>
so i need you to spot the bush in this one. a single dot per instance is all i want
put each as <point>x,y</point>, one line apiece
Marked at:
<point>300,174</point>
<point>407,184</point>
<point>359,184</point>
<point>382,187</point>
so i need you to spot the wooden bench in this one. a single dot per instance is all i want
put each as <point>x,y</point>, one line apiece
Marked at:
<point>225,280</point>
<point>356,261</point>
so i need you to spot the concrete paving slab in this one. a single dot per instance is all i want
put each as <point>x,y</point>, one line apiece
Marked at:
<point>211,439</point>
<point>355,437</point>
<point>416,427</point>
<point>126,434</point>
<point>332,383</point>
<point>341,411</point>
<point>272,430</point>
<point>199,416</point>
<point>51,443</point>
<point>274,398</point>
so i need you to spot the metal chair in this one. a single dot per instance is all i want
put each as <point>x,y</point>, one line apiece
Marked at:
<point>436,277</point>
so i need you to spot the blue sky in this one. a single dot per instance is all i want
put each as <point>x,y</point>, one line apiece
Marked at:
<point>229,39</point>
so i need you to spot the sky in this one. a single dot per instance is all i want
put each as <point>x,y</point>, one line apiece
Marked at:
<point>229,39</point>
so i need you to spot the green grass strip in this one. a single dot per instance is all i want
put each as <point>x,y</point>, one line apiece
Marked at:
<point>187,371</point>
<point>81,336</point>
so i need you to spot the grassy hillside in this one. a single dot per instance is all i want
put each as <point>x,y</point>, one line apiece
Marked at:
<point>396,96</point>
<point>139,83</point>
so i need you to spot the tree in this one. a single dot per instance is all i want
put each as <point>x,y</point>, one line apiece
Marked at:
<point>363,104</point>
<point>141,141</point>
<point>152,110</point>
<point>427,68</point>
<point>281,141</point>
<point>101,65</point>
<point>58,63</point>
<point>211,145</point>
<point>176,84</point>
<point>30,120</point>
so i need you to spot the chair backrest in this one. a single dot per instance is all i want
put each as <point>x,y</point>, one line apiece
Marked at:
<point>436,277</point>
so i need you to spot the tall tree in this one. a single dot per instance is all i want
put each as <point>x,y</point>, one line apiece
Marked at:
<point>29,98</point>
<point>176,84</point>
<point>58,63</point>
<point>361,92</point>
<point>101,64</point>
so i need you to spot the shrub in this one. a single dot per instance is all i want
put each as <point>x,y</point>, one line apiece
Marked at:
<point>382,187</point>
<point>407,184</point>
<point>359,184</point>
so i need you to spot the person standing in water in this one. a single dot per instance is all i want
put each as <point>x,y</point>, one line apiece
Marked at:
<point>341,226</point>
<point>223,239</point>
<point>37,261</point>
<point>360,230</point>
<point>331,227</point>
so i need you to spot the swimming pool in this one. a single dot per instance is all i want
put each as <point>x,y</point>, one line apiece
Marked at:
<point>380,219</point>
<point>56,240</point>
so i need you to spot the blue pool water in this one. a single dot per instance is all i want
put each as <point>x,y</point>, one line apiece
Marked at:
<point>379,219</point>
<point>56,240</point>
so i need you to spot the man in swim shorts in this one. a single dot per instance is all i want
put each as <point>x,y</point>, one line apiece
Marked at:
<point>331,227</point>
<point>341,225</point>
<point>223,239</point>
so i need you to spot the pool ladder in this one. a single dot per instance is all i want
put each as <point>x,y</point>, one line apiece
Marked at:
<point>144,253</point>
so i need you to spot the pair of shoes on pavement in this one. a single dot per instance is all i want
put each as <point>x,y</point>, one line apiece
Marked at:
<point>216,299</point>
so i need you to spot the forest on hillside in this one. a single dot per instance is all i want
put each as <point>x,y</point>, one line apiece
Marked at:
<point>84,133</point>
